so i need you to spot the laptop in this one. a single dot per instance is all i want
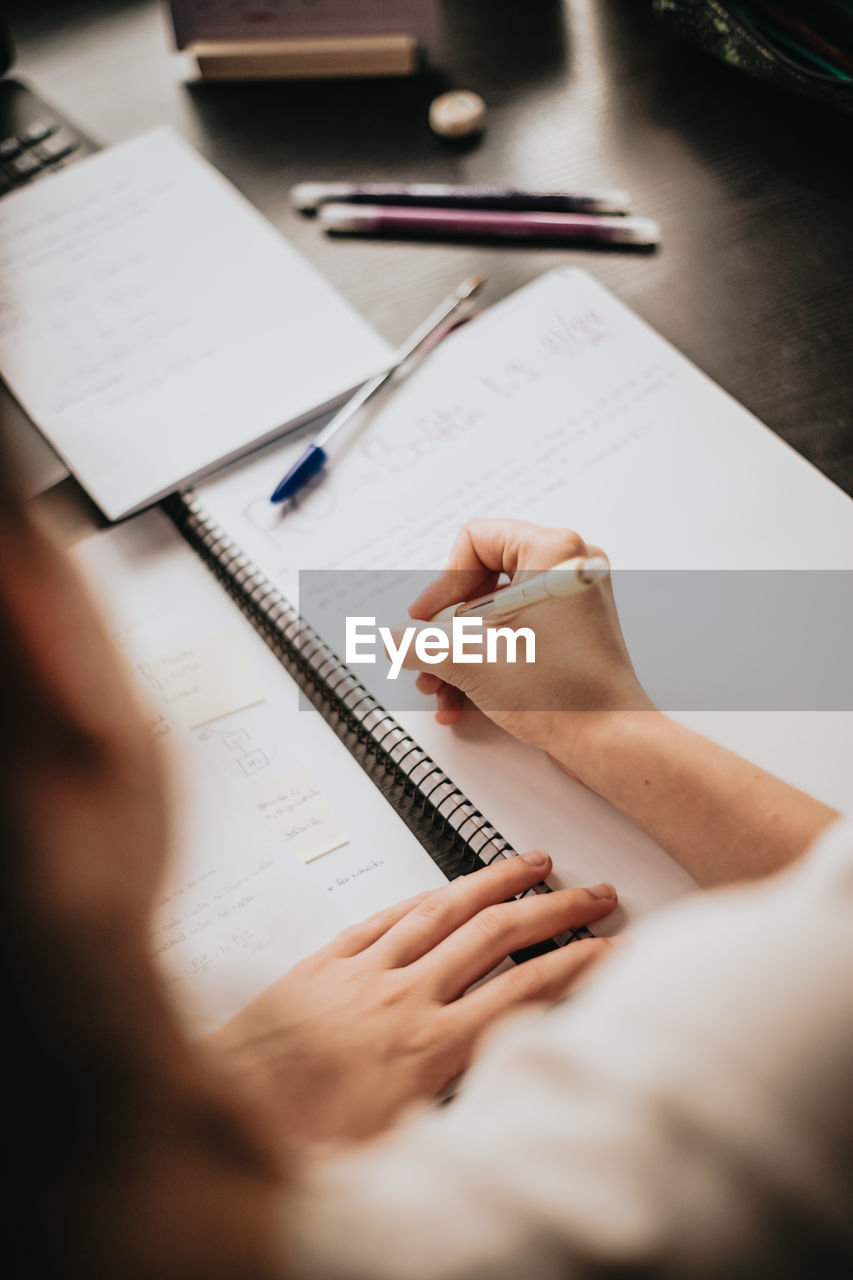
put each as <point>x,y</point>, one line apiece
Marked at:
<point>35,142</point>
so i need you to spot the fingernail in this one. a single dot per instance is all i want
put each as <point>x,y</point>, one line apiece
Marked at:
<point>602,891</point>
<point>535,858</point>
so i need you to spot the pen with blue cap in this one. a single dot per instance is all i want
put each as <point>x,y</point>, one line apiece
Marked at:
<point>425,337</point>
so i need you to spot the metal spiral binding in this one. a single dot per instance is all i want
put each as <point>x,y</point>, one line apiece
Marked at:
<point>352,711</point>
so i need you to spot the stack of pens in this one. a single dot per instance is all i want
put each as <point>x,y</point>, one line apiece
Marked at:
<point>426,210</point>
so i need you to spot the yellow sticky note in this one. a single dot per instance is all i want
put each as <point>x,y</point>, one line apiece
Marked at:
<point>204,680</point>
<point>294,805</point>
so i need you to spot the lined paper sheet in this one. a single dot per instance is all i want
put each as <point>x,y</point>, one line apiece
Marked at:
<point>153,322</point>
<point>560,406</point>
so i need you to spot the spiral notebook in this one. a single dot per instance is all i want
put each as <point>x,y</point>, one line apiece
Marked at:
<point>557,405</point>
<point>456,834</point>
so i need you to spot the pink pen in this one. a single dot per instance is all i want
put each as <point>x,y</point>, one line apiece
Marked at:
<point>389,220</point>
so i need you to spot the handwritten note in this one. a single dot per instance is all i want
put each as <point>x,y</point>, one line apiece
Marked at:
<point>558,406</point>
<point>204,680</point>
<point>295,806</point>
<point>158,725</point>
<point>194,912</point>
<point>232,914</point>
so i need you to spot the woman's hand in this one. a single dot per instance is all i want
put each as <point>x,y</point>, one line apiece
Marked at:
<point>582,668</point>
<point>718,815</point>
<point>377,1020</point>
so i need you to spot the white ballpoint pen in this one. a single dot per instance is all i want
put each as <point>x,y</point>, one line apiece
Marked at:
<point>568,578</point>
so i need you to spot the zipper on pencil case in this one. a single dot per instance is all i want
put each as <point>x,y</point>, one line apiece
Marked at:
<point>765,44</point>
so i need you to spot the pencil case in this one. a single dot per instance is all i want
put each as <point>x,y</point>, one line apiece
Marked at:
<point>802,45</point>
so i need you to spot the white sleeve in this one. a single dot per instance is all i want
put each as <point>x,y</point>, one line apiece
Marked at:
<point>689,1114</point>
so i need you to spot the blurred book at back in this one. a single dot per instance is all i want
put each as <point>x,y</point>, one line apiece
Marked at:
<point>285,39</point>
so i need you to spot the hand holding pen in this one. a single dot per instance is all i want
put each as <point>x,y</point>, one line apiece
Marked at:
<point>582,670</point>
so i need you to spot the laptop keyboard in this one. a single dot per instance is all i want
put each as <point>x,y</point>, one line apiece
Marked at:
<point>41,148</point>
<point>34,139</point>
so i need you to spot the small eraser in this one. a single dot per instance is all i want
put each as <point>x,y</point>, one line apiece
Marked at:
<point>457,114</point>
<point>308,196</point>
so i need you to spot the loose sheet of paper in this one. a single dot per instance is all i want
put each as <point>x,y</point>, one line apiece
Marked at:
<point>153,322</point>
<point>203,681</point>
<point>297,809</point>
<point>560,406</point>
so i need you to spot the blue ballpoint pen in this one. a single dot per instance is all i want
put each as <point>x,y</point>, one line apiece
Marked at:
<point>425,337</point>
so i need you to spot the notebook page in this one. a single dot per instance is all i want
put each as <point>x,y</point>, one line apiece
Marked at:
<point>154,323</point>
<point>231,913</point>
<point>562,407</point>
<point>275,814</point>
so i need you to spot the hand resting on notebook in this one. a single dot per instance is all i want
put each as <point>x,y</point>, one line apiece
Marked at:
<point>718,815</point>
<point>377,1020</point>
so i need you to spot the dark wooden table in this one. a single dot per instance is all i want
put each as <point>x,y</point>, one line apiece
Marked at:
<point>754,189</point>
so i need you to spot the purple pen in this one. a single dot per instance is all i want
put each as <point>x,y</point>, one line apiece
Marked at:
<point>308,197</point>
<point>379,220</point>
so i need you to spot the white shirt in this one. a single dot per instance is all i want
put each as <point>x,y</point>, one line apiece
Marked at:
<point>688,1114</point>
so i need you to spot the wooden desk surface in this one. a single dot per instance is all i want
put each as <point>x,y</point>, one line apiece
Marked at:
<point>754,189</point>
